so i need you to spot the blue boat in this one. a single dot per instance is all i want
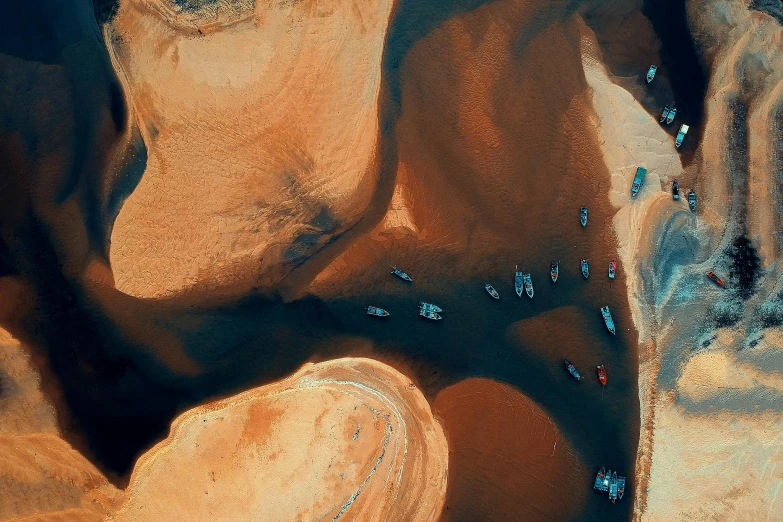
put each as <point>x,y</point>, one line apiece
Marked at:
<point>402,275</point>
<point>681,135</point>
<point>607,315</point>
<point>638,179</point>
<point>519,283</point>
<point>572,369</point>
<point>651,73</point>
<point>528,284</point>
<point>676,190</point>
<point>620,487</point>
<point>601,481</point>
<point>585,268</point>
<point>670,116</point>
<point>378,312</point>
<point>491,291</point>
<point>664,114</point>
<point>692,200</point>
<point>613,487</point>
<point>429,311</point>
<point>430,306</point>
<point>583,216</point>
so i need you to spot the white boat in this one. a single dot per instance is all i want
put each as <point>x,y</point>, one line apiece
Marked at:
<point>681,135</point>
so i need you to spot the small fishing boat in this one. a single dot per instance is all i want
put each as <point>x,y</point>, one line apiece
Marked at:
<point>572,369</point>
<point>681,135</point>
<point>402,275</point>
<point>607,315</point>
<point>518,282</point>
<point>378,312</point>
<point>528,284</point>
<point>429,311</point>
<point>676,190</point>
<point>585,268</point>
<point>613,487</point>
<point>664,114</point>
<point>583,216</point>
<point>601,374</point>
<point>612,269</point>
<point>554,270</point>
<point>692,200</point>
<point>638,179</point>
<point>670,116</point>
<point>430,306</point>
<point>601,484</point>
<point>491,291</point>
<point>620,487</point>
<point>717,280</point>
<point>651,73</point>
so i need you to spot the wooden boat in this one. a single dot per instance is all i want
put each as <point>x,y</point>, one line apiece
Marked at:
<point>378,312</point>
<point>402,275</point>
<point>430,306</point>
<point>651,73</point>
<point>554,271</point>
<point>528,284</point>
<point>612,269</point>
<point>613,487</point>
<point>491,291</point>
<point>518,282</point>
<point>601,482</point>
<point>638,179</point>
<point>664,114</point>
<point>572,369</point>
<point>620,487</point>
<point>601,374</point>
<point>583,216</point>
<point>585,268</point>
<point>692,200</point>
<point>607,315</point>
<point>670,116</point>
<point>675,190</point>
<point>429,311</point>
<point>717,280</point>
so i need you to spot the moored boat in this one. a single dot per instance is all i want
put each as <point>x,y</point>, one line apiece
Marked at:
<point>651,73</point>
<point>402,275</point>
<point>600,480</point>
<point>528,284</point>
<point>613,487</point>
<point>583,216</point>
<point>585,268</point>
<point>692,200</point>
<point>676,190</point>
<point>601,374</point>
<point>554,271</point>
<point>519,284</point>
<point>607,315</point>
<point>378,312</point>
<point>572,369</point>
<point>681,135</point>
<point>430,306</point>
<point>491,291</point>
<point>638,179</point>
<point>429,311</point>
<point>717,280</point>
<point>612,269</point>
<point>620,487</point>
<point>664,114</point>
<point>670,116</point>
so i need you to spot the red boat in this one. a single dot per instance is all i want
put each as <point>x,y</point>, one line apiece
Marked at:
<point>601,374</point>
<point>716,279</point>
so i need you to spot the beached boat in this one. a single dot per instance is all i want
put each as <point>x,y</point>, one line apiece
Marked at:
<point>402,275</point>
<point>601,484</point>
<point>676,190</point>
<point>429,311</point>
<point>601,373</point>
<point>681,135</point>
<point>664,114</point>
<point>491,291</point>
<point>430,306</point>
<point>692,200</point>
<point>620,487</point>
<point>528,284</point>
<point>378,312</point>
<point>651,73</point>
<point>585,268</point>
<point>572,369</point>
<point>612,269</point>
<point>583,216</point>
<point>554,271</point>
<point>613,487</point>
<point>607,315</point>
<point>717,280</point>
<point>638,179</point>
<point>671,115</point>
<point>519,284</point>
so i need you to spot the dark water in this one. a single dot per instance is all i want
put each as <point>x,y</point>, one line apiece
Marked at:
<point>122,364</point>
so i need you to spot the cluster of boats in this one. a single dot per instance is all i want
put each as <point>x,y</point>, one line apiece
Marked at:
<point>638,180</point>
<point>426,310</point>
<point>610,482</point>
<point>600,370</point>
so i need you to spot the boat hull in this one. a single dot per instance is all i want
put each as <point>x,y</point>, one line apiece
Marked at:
<point>583,216</point>
<point>528,285</point>
<point>572,369</point>
<point>554,271</point>
<point>601,374</point>
<point>402,275</point>
<point>585,268</point>
<point>491,291</point>
<point>607,315</point>
<point>377,312</point>
<point>612,269</point>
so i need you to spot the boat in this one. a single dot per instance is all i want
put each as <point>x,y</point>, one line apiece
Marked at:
<point>518,282</point>
<point>718,281</point>
<point>402,275</point>
<point>430,306</point>
<point>585,268</point>
<point>378,312</point>
<point>613,487</point>
<point>607,315</point>
<point>583,216</point>
<point>572,369</point>
<point>692,200</point>
<point>528,284</point>
<point>554,271</point>
<point>676,190</point>
<point>664,114</point>
<point>670,116</point>
<point>681,135</point>
<point>651,73</point>
<point>638,179</point>
<point>600,480</point>
<point>620,487</point>
<point>429,311</point>
<point>612,269</point>
<point>491,291</point>
<point>601,373</point>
